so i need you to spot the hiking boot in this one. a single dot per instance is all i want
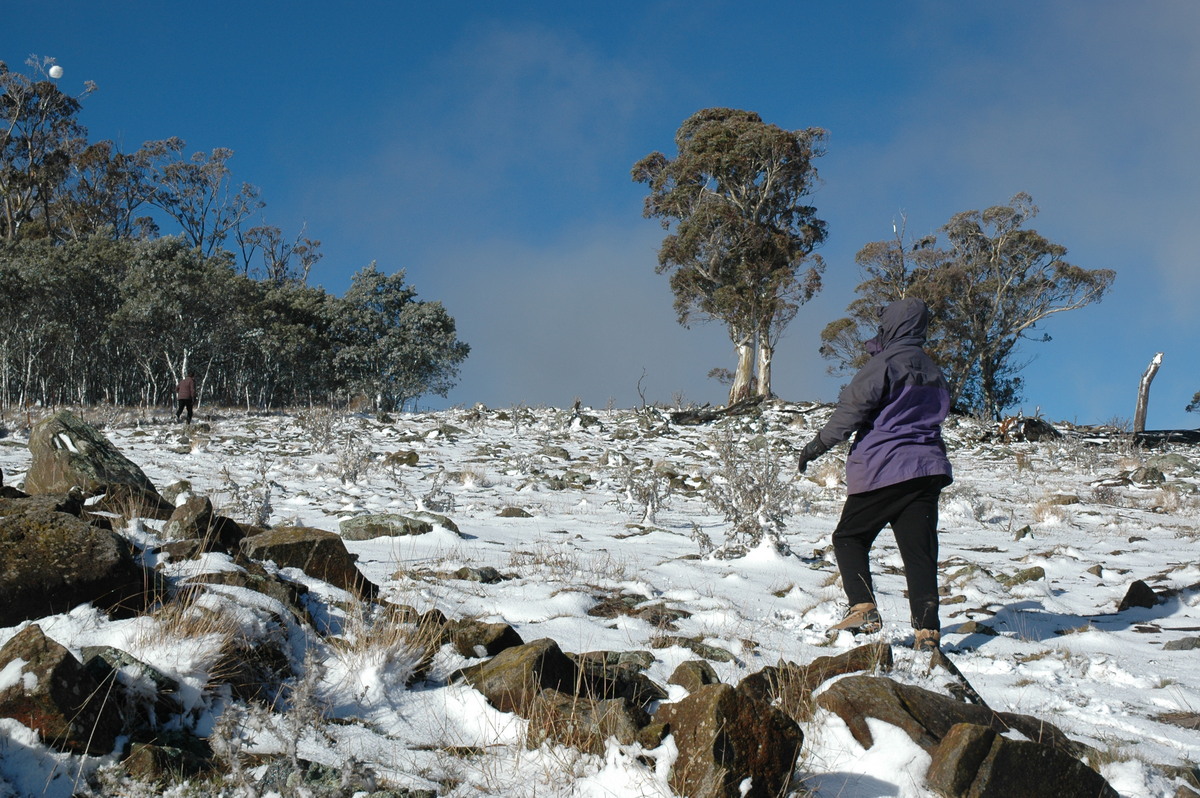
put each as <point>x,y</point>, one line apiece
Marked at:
<point>927,640</point>
<point>861,619</point>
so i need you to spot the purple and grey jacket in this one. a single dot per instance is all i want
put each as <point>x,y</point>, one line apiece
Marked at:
<point>894,407</point>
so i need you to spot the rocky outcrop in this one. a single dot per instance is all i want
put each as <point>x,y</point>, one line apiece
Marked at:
<point>473,638</point>
<point>512,680</point>
<point>976,762</point>
<point>378,525</point>
<point>1139,594</point>
<point>693,674</point>
<point>153,698</point>
<point>609,674</point>
<point>582,722</point>
<point>194,519</point>
<point>318,553</point>
<point>790,686</point>
<point>70,453</point>
<point>255,577</point>
<point>925,716</point>
<point>731,744</point>
<point>52,561</point>
<point>50,691</point>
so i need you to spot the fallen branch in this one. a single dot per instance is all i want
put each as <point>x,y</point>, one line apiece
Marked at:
<point>702,416</point>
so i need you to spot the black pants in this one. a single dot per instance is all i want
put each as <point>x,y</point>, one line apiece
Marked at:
<point>185,404</point>
<point>911,507</point>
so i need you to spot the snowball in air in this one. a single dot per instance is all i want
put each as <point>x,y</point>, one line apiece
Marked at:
<point>56,71</point>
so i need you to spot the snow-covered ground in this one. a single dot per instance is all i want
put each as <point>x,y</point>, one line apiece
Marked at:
<point>1061,651</point>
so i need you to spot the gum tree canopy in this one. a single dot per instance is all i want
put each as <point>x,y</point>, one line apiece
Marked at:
<point>988,288</point>
<point>741,240</point>
<point>392,346</point>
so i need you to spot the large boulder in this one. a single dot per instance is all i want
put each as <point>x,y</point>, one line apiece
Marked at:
<point>318,553</point>
<point>790,686</point>
<point>255,577</point>
<point>731,744</point>
<point>194,519</point>
<point>977,762</point>
<point>925,716</point>
<point>146,696</point>
<point>48,690</point>
<point>512,680</point>
<point>52,561</point>
<point>605,675</point>
<point>693,674</point>
<point>473,638</point>
<point>378,525</point>
<point>68,452</point>
<point>584,723</point>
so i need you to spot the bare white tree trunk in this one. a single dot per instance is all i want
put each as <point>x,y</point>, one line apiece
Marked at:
<point>1143,398</point>
<point>766,354</point>
<point>744,374</point>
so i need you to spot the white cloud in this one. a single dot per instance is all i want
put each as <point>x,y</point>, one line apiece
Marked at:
<point>584,315</point>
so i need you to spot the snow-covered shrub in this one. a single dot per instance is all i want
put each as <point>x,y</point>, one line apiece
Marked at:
<point>702,539</point>
<point>354,459</point>
<point>964,499</point>
<point>1108,494</point>
<point>381,649</point>
<point>750,490</point>
<point>437,499</point>
<point>248,501</point>
<point>645,490</point>
<point>1051,510</point>
<point>320,425</point>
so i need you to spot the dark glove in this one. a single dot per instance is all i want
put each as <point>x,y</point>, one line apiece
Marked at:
<point>811,451</point>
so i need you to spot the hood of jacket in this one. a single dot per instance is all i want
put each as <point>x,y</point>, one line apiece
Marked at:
<point>903,321</point>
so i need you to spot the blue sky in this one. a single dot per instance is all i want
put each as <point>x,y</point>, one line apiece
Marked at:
<point>485,147</point>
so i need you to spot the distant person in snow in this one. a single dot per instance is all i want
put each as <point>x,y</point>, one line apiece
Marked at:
<point>896,469</point>
<point>185,391</point>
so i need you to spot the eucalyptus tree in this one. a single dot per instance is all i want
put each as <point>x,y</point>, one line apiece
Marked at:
<point>198,193</point>
<point>51,322</point>
<point>391,346</point>
<point>39,135</point>
<point>741,240</point>
<point>282,260</point>
<point>1003,280</point>
<point>290,359</point>
<point>179,311</point>
<point>108,193</point>
<point>988,288</point>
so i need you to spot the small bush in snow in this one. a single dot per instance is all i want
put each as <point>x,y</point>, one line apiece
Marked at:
<point>967,496</point>
<point>1108,494</point>
<point>249,501</point>
<point>437,499</point>
<point>645,490</point>
<point>354,459</point>
<point>320,425</point>
<point>381,649</point>
<point>701,539</point>
<point>750,490</point>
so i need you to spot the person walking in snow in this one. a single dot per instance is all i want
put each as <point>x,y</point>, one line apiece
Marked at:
<point>185,391</point>
<point>895,471</point>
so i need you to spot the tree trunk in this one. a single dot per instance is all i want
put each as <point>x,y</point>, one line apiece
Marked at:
<point>744,374</point>
<point>766,354</point>
<point>1143,397</point>
<point>987,389</point>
